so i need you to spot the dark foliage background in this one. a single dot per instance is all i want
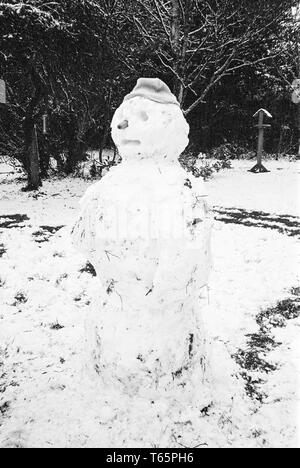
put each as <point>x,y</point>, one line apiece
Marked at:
<point>74,60</point>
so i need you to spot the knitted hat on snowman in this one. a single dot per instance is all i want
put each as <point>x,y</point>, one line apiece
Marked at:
<point>153,89</point>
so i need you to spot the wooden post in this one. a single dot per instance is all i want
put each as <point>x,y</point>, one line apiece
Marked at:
<point>260,145</point>
<point>258,168</point>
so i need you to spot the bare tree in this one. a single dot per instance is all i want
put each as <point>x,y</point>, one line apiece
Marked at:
<point>296,34</point>
<point>200,41</point>
<point>286,68</point>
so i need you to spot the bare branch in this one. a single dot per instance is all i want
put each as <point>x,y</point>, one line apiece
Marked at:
<point>249,63</point>
<point>218,74</point>
<point>183,11</point>
<point>163,23</point>
<point>169,67</point>
<point>143,29</point>
<point>192,33</point>
<point>144,5</point>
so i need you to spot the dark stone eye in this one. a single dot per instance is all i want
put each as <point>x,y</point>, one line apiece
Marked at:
<point>188,183</point>
<point>123,125</point>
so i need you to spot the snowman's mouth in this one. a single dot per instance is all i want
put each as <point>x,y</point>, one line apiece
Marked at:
<point>131,142</point>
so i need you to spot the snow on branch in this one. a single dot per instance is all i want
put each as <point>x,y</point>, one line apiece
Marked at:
<point>40,14</point>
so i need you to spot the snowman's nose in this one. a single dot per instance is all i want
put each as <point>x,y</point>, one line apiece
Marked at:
<point>123,125</point>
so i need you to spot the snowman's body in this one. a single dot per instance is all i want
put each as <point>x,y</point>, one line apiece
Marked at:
<point>145,228</point>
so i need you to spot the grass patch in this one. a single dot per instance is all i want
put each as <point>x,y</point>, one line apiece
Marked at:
<point>278,316</point>
<point>12,221</point>
<point>2,250</point>
<point>56,326</point>
<point>285,224</point>
<point>253,359</point>
<point>253,387</point>
<point>45,232</point>
<point>20,298</point>
<point>4,408</point>
<point>88,268</point>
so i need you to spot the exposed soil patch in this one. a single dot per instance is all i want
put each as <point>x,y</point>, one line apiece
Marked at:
<point>88,268</point>
<point>52,229</point>
<point>4,404</point>
<point>56,326</point>
<point>20,298</point>
<point>12,221</point>
<point>45,233</point>
<point>277,316</point>
<point>2,250</point>
<point>254,359</point>
<point>285,224</point>
<point>4,408</point>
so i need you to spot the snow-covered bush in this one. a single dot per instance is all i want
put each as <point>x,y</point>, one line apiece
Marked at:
<point>203,167</point>
<point>229,151</point>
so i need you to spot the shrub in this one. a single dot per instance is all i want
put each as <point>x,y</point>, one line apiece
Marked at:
<point>202,167</point>
<point>230,151</point>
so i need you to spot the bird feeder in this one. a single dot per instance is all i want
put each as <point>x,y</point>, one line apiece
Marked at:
<point>258,168</point>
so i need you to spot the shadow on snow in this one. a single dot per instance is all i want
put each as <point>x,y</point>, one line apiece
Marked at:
<point>285,224</point>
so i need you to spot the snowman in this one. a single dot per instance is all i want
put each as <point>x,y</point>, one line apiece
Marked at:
<point>145,227</point>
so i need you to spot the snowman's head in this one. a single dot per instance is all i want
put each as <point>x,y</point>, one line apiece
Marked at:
<point>150,124</point>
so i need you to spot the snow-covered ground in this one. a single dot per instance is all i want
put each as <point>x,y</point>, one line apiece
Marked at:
<point>46,396</point>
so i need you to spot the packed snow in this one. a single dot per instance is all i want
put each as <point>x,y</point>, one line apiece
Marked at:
<point>145,228</point>
<point>47,398</point>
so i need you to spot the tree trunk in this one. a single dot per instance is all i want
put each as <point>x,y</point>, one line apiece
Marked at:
<point>30,154</point>
<point>71,157</point>
<point>28,127</point>
<point>45,163</point>
<point>298,113</point>
<point>103,141</point>
<point>34,178</point>
<point>34,174</point>
<point>44,158</point>
<point>297,17</point>
<point>175,39</point>
<point>76,153</point>
<point>106,126</point>
<point>76,148</point>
